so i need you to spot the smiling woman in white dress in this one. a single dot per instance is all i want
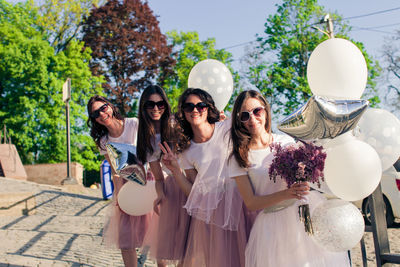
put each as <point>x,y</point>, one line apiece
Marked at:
<point>167,233</point>
<point>278,237</point>
<point>121,230</point>
<point>219,227</point>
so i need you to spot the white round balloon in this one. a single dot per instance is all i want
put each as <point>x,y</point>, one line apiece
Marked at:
<point>381,129</point>
<point>135,199</point>
<point>337,69</point>
<point>338,225</point>
<point>352,170</point>
<point>215,78</point>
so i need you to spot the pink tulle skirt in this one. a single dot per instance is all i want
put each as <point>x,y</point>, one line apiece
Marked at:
<point>168,232</point>
<point>121,230</point>
<point>210,245</point>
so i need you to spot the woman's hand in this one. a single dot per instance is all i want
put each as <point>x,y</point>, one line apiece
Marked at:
<point>169,159</point>
<point>222,116</point>
<point>299,190</point>
<point>157,202</point>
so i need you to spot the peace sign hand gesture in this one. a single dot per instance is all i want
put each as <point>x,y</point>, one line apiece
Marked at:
<point>169,159</point>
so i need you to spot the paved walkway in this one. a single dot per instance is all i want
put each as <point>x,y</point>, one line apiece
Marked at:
<point>62,226</point>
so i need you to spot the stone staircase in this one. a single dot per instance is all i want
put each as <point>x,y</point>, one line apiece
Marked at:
<point>44,225</point>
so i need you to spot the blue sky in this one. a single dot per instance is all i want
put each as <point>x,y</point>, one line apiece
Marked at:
<point>233,22</point>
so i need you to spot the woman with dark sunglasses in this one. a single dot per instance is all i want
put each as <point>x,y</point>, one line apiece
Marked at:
<point>167,237</point>
<point>121,230</point>
<point>217,235</point>
<point>277,237</point>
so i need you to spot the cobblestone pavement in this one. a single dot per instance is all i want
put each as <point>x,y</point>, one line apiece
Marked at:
<point>63,226</point>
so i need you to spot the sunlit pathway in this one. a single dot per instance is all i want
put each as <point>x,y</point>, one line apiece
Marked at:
<point>61,228</point>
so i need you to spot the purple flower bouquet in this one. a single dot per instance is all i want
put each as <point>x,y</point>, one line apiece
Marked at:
<point>298,163</point>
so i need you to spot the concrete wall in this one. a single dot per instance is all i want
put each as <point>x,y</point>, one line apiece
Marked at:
<point>11,162</point>
<point>53,173</point>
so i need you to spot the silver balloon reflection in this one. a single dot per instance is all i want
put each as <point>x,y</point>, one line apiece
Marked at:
<point>322,117</point>
<point>124,161</point>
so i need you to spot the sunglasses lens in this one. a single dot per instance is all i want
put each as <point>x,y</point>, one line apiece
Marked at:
<point>244,116</point>
<point>96,113</point>
<point>201,106</point>
<point>188,107</point>
<point>160,104</point>
<point>257,111</point>
<point>149,104</point>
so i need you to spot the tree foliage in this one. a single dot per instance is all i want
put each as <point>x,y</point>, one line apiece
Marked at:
<point>62,19</point>
<point>128,49</point>
<point>286,45</point>
<point>31,79</point>
<point>187,51</point>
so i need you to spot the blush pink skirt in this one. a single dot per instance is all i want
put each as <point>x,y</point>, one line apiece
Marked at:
<point>210,245</point>
<point>168,232</point>
<point>122,230</point>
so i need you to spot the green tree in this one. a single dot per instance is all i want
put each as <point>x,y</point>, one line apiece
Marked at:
<point>62,19</point>
<point>187,51</point>
<point>31,79</point>
<point>285,47</point>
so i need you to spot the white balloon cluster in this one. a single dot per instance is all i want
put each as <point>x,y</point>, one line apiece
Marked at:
<point>337,69</point>
<point>215,78</point>
<point>353,167</point>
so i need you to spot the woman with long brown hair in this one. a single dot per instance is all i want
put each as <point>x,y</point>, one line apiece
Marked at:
<point>218,231</point>
<point>121,230</point>
<point>278,237</point>
<point>168,236</point>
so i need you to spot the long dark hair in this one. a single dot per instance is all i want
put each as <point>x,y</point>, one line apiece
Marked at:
<point>146,131</point>
<point>239,135</point>
<point>185,132</point>
<point>97,130</point>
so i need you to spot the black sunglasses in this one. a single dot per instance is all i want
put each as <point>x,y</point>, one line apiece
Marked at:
<point>189,107</point>
<point>95,114</point>
<point>151,104</point>
<point>245,115</point>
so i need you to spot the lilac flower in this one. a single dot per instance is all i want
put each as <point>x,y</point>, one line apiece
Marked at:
<point>297,162</point>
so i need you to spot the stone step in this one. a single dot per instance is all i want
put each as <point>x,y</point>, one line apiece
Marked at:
<point>61,224</point>
<point>46,248</point>
<point>16,203</point>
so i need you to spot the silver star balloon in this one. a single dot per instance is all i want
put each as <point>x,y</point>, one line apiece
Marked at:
<point>322,117</point>
<point>124,161</point>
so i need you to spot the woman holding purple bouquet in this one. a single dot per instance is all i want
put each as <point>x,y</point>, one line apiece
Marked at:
<point>278,237</point>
